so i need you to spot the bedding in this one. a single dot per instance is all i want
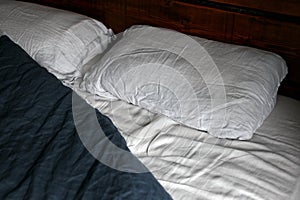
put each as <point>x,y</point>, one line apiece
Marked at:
<point>42,156</point>
<point>46,159</point>
<point>226,90</point>
<point>60,41</point>
<point>190,164</point>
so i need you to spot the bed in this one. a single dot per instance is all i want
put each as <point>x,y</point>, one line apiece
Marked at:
<point>55,96</point>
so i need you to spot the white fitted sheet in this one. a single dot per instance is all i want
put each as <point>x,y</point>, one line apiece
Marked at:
<point>191,164</point>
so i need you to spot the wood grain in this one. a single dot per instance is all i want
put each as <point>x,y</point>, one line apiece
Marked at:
<point>286,7</point>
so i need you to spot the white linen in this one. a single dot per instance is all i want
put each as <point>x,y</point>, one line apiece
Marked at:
<point>58,40</point>
<point>226,90</point>
<point>191,164</point>
<point>296,193</point>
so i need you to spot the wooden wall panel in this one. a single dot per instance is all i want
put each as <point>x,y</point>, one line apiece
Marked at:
<point>203,21</point>
<point>92,8</point>
<point>197,20</point>
<point>286,7</point>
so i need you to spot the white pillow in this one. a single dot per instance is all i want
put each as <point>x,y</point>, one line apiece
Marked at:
<point>59,40</point>
<point>226,90</point>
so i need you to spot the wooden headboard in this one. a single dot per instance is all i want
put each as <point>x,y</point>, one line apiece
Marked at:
<point>272,25</point>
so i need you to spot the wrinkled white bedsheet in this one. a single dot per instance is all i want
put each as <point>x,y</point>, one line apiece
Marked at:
<point>191,164</point>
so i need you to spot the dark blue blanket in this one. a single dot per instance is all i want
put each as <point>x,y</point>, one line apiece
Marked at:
<point>41,155</point>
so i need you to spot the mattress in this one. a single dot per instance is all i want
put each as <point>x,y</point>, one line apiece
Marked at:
<point>191,164</point>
